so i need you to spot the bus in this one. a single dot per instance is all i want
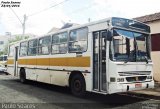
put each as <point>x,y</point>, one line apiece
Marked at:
<point>3,60</point>
<point>106,56</point>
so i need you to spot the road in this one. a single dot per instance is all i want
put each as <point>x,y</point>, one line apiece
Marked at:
<point>37,95</point>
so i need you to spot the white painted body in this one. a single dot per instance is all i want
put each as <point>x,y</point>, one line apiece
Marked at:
<point>61,77</point>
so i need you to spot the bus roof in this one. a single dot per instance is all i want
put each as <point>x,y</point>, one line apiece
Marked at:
<point>110,20</point>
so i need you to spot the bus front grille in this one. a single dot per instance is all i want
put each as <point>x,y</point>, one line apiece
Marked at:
<point>134,73</point>
<point>135,79</point>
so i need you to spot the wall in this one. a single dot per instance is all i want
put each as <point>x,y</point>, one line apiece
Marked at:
<point>155,54</point>
<point>155,26</point>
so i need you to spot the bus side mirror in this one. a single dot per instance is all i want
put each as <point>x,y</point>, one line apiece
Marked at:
<point>109,36</point>
<point>104,34</point>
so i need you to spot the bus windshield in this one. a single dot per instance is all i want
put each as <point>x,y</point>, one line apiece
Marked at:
<point>3,58</point>
<point>130,46</point>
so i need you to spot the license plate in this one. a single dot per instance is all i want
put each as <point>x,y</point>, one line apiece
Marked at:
<point>138,85</point>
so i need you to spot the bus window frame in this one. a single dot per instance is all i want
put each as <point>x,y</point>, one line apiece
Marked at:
<point>77,41</point>
<point>38,53</point>
<point>20,49</point>
<point>59,42</point>
<point>9,49</point>
<point>32,47</point>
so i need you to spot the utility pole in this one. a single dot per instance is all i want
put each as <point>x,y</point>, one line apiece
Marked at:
<point>24,25</point>
<point>89,19</point>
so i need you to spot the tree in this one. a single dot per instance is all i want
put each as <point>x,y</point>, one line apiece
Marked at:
<point>16,39</point>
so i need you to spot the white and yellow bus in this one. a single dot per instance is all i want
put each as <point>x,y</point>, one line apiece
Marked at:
<point>3,59</point>
<point>107,56</point>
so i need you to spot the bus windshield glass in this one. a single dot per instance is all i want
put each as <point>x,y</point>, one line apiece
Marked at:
<point>3,58</point>
<point>130,46</point>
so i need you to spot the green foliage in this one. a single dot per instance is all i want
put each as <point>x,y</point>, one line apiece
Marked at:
<point>1,53</point>
<point>16,39</point>
<point>5,51</point>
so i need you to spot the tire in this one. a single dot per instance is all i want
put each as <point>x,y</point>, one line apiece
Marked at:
<point>22,76</point>
<point>77,85</point>
<point>6,73</point>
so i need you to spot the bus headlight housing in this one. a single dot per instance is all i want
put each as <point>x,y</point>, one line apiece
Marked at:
<point>149,77</point>
<point>120,79</point>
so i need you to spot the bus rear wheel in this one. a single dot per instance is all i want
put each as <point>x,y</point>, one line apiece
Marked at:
<point>22,76</point>
<point>77,85</point>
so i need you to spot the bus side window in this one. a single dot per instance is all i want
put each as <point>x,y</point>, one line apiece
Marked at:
<point>44,45</point>
<point>59,43</point>
<point>78,40</point>
<point>11,50</point>
<point>32,47</point>
<point>23,48</point>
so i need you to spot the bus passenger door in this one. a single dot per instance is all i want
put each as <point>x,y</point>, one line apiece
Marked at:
<point>16,61</point>
<point>99,61</point>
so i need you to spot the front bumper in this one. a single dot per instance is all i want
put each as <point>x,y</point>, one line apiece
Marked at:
<point>124,87</point>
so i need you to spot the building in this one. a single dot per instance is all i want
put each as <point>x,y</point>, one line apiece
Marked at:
<point>153,20</point>
<point>66,25</point>
<point>3,42</point>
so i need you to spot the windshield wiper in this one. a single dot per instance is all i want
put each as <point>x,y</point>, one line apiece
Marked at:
<point>145,58</point>
<point>130,57</point>
<point>127,59</point>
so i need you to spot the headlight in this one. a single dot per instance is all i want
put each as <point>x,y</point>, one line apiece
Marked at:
<point>149,77</point>
<point>120,79</point>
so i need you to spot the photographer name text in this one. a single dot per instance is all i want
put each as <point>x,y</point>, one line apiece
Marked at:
<point>10,4</point>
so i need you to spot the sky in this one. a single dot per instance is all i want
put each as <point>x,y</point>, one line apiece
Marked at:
<point>42,15</point>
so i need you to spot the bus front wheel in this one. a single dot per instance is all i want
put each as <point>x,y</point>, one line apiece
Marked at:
<point>22,76</point>
<point>77,85</point>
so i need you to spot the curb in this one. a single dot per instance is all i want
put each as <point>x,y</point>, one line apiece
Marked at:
<point>144,96</point>
<point>157,84</point>
<point>149,93</point>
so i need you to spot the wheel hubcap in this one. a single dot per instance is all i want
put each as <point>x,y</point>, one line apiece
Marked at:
<point>77,85</point>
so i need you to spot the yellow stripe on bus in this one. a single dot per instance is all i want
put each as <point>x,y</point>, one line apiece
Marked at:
<point>69,61</point>
<point>10,61</point>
